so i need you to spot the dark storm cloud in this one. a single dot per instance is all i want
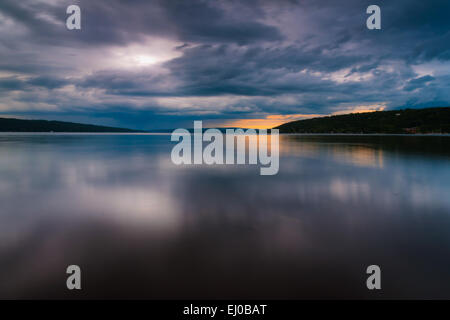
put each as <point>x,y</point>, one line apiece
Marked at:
<point>251,70</point>
<point>14,83</point>
<point>120,22</point>
<point>11,84</point>
<point>48,82</point>
<point>260,56</point>
<point>200,21</point>
<point>418,82</point>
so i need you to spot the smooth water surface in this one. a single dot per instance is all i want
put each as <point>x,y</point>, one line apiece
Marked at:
<point>141,227</point>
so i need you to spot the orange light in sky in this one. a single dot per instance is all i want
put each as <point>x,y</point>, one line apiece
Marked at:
<point>275,120</point>
<point>270,121</point>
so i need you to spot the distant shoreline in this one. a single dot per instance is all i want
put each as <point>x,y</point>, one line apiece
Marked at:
<point>79,133</point>
<point>406,121</point>
<point>46,126</point>
<point>22,133</point>
<point>367,134</point>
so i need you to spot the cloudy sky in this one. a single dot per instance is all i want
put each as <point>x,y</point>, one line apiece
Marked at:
<point>253,63</point>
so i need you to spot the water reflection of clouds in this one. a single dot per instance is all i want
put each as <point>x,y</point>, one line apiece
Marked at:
<point>96,187</point>
<point>122,209</point>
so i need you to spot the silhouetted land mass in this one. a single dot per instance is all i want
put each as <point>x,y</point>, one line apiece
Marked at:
<point>428,120</point>
<point>18,125</point>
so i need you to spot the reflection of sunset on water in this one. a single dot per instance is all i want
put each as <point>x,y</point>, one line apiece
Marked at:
<point>359,155</point>
<point>356,154</point>
<point>119,200</point>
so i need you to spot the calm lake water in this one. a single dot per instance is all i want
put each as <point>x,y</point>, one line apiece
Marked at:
<point>141,227</point>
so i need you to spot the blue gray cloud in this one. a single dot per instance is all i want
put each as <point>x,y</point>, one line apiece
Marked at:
<point>163,63</point>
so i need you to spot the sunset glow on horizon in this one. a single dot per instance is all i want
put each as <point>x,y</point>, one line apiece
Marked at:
<point>255,64</point>
<point>272,121</point>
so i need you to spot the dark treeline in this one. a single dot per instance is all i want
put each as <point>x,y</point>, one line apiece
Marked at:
<point>18,125</point>
<point>429,120</point>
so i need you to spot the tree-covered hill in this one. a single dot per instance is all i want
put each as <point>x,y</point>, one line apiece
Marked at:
<point>428,120</point>
<point>19,125</point>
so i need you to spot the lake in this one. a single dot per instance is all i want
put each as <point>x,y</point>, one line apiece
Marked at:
<point>142,227</point>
